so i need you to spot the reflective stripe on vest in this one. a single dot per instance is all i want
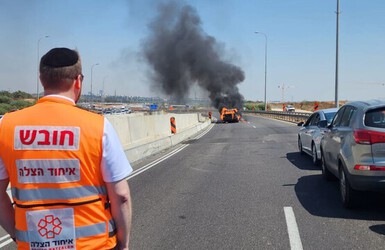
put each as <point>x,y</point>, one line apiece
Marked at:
<point>57,194</point>
<point>81,232</point>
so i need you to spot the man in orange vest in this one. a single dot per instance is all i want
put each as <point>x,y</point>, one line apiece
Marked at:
<point>66,168</point>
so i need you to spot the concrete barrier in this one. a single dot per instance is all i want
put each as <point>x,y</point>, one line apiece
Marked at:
<point>144,134</point>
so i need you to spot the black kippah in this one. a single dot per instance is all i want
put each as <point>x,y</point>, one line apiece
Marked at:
<point>60,57</point>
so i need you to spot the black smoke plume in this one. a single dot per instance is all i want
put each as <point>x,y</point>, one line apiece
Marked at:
<point>182,54</point>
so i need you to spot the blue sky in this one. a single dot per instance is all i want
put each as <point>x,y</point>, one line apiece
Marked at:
<point>300,38</point>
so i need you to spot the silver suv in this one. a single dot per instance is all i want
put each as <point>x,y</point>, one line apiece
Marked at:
<point>353,149</point>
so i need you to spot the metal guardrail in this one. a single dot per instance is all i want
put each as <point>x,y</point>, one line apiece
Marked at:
<point>294,117</point>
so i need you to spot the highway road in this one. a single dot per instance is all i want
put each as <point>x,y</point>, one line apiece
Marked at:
<point>245,186</point>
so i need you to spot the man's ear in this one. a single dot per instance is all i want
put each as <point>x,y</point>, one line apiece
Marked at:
<point>78,83</point>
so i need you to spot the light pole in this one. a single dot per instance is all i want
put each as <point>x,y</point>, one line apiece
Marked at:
<point>38,62</point>
<point>257,32</point>
<point>337,47</point>
<point>92,67</point>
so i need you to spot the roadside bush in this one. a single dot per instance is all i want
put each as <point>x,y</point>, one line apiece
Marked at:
<point>21,95</point>
<point>6,93</point>
<point>5,99</point>
<point>256,106</point>
<point>4,108</point>
<point>247,106</point>
<point>20,104</point>
<point>14,101</point>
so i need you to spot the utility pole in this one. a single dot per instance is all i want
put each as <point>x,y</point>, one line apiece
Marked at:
<point>257,32</point>
<point>337,47</point>
<point>283,87</point>
<point>92,67</point>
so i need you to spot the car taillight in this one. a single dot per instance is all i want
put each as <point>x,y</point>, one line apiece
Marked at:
<point>369,137</point>
<point>369,168</point>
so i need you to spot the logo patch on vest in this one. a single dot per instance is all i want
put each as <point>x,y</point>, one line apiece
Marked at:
<point>51,229</point>
<point>46,138</point>
<point>48,171</point>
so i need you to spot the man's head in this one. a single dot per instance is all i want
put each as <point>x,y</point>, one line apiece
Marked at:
<point>60,69</point>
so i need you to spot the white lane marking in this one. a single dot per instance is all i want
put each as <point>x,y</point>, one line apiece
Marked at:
<point>5,237</point>
<point>272,119</point>
<point>177,150</point>
<point>152,164</point>
<point>201,135</point>
<point>254,126</point>
<point>292,229</point>
<point>5,242</point>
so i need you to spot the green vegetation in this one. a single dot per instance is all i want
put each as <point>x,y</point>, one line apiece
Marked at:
<point>256,106</point>
<point>14,101</point>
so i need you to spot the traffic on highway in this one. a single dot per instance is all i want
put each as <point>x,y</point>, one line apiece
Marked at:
<point>349,144</point>
<point>192,125</point>
<point>245,185</point>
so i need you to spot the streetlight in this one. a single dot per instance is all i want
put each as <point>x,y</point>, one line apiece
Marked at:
<point>38,62</point>
<point>256,32</point>
<point>91,78</point>
<point>337,45</point>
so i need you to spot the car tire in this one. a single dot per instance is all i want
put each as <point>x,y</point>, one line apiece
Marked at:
<point>314,156</point>
<point>300,146</point>
<point>326,174</point>
<point>348,194</point>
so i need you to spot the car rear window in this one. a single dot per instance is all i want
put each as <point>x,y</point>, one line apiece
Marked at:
<point>329,116</point>
<point>375,118</point>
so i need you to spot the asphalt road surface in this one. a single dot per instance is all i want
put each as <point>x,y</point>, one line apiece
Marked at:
<point>245,186</point>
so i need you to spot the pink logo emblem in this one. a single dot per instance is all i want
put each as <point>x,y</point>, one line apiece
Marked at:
<point>49,227</point>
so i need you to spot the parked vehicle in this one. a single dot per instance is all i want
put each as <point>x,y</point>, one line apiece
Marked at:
<point>353,149</point>
<point>311,133</point>
<point>289,108</point>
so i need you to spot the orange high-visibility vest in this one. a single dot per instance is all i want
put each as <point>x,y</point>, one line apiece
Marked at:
<point>52,152</point>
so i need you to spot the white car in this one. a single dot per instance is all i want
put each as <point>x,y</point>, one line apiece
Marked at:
<point>289,108</point>
<point>312,131</point>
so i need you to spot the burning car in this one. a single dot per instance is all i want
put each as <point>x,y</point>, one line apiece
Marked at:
<point>230,115</point>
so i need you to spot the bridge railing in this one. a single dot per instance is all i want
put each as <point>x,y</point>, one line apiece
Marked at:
<point>294,117</point>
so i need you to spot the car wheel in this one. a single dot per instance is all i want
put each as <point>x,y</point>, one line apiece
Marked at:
<point>300,146</point>
<point>347,193</point>
<point>326,174</point>
<point>314,155</point>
